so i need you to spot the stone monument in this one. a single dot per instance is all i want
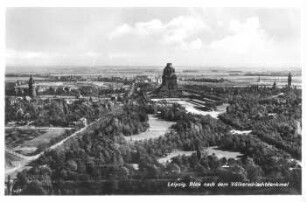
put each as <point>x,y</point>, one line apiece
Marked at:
<point>169,87</point>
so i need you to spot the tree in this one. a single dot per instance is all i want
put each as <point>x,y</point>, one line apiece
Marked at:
<point>34,188</point>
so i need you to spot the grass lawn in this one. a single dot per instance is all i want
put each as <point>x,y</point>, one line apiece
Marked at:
<point>26,141</point>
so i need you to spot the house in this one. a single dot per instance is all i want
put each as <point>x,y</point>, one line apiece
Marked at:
<point>28,98</point>
<point>82,122</point>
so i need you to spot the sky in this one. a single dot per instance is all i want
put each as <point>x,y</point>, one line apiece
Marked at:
<point>247,37</point>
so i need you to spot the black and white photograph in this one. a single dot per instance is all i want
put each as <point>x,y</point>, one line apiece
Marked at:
<point>153,100</point>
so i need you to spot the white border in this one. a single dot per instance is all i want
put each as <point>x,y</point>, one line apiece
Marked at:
<point>155,3</point>
<point>147,3</point>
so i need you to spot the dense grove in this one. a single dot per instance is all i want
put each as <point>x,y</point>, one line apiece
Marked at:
<point>274,116</point>
<point>101,161</point>
<point>54,112</point>
<point>249,108</point>
<point>66,91</point>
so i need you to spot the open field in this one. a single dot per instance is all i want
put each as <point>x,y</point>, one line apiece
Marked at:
<point>157,128</point>
<point>17,136</point>
<point>11,160</point>
<point>222,153</point>
<point>240,132</point>
<point>210,151</point>
<point>27,140</point>
<point>173,154</point>
<point>45,138</point>
<point>191,104</point>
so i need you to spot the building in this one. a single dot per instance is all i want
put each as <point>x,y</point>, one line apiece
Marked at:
<point>169,86</point>
<point>32,87</point>
<point>142,79</point>
<point>289,80</point>
<point>274,86</point>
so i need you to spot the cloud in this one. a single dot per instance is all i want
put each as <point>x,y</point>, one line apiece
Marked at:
<point>140,28</point>
<point>244,38</point>
<point>11,54</point>
<point>120,31</point>
<point>181,28</point>
<point>192,45</point>
<point>146,28</point>
<point>92,54</point>
<point>181,31</point>
<point>150,36</point>
<point>14,57</point>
